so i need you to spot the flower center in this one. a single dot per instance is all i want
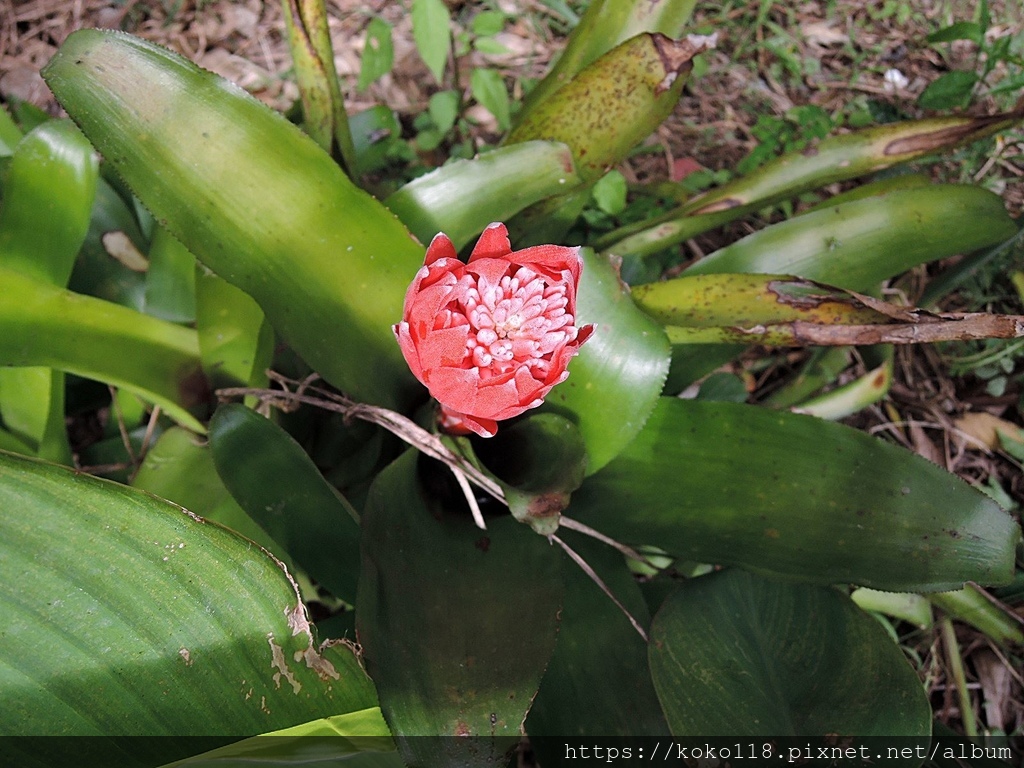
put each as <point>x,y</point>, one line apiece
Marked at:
<point>520,320</point>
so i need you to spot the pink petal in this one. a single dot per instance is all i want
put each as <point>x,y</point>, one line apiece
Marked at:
<point>405,343</point>
<point>493,243</point>
<point>583,333</point>
<point>461,389</point>
<point>440,273</point>
<point>443,347</point>
<point>425,305</point>
<point>489,269</point>
<point>441,247</point>
<point>456,423</point>
<point>555,258</point>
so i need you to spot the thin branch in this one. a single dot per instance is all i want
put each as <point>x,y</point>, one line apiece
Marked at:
<point>625,549</point>
<point>474,508</point>
<point>154,417</point>
<point>147,438</point>
<point>122,428</point>
<point>600,583</point>
<point>399,425</point>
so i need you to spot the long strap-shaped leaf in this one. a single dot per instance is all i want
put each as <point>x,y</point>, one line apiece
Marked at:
<point>125,615</point>
<point>601,114</point>
<point>836,158</point>
<point>797,496</point>
<point>615,380</point>
<point>734,653</point>
<point>48,326</point>
<point>606,24</point>
<point>784,310</point>
<point>323,106</point>
<point>462,197</point>
<point>456,624</point>
<point>856,244</point>
<point>47,198</point>
<point>254,199</point>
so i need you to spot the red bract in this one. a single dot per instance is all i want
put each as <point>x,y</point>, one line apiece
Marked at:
<point>491,337</point>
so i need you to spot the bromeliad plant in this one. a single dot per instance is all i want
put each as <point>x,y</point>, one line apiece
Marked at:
<point>252,249</point>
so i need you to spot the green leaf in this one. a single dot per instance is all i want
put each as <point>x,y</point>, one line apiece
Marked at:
<point>857,244</point>
<point>836,158</point>
<point>489,47</point>
<point>488,87</point>
<point>48,192</point>
<point>10,133</point>
<point>974,607</point>
<point>27,115</point>
<point>615,380</point>
<point>463,196</point>
<point>691,362</point>
<point>179,467</point>
<point>906,606</point>
<point>610,193</point>
<point>799,497</point>
<point>456,624</point>
<point>282,490</point>
<point>431,30</point>
<point>48,326</point>
<point>613,104</point>
<point>735,654</point>
<point>323,108</point>
<point>853,396</point>
<point>236,344</point>
<point>110,265</point>
<point>376,135</point>
<point>961,30</point>
<point>601,114</point>
<point>540,460</point>
<point>359,739</point>
<point>606,24</point>
<point>378,52</point>
<point>723,387</point>
<point>822,367</point>
<point>598,653</point>
<point>173,626</point>
<point>882,186</point>
<point>170,279</point>
<point>548,221</point>
<point>444,108</point>
<point>255,200</point>
<point>949,91</point>
<point>488,23</point>
<point>32,408</point>
<point>14,444</point>
<point>705,301</point>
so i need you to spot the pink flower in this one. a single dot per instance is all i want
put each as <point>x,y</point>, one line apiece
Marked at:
<point>490,338</point>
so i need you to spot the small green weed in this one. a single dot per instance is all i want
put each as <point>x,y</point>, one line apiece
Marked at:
<point>994,287</point>
<point>790,133</point>
<point>440,40</point>
<point>958,88</point>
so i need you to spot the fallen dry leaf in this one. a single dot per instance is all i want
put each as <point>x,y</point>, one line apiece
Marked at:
<point>821,33</point>
<point>985,428</point>
<point>997,685</point>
